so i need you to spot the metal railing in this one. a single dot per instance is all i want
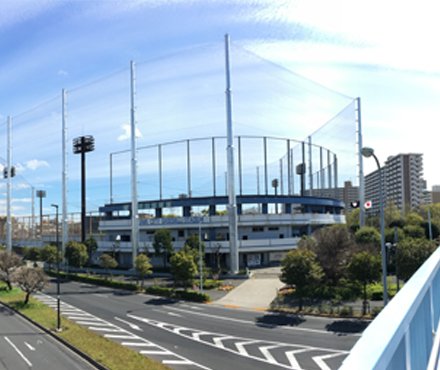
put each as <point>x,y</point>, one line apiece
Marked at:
<point>404,335</point>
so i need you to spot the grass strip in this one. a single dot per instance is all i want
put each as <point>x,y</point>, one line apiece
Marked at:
<point>109,353</point>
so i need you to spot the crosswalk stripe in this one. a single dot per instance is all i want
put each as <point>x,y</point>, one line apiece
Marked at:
<point>267,354</point>
<point>136,344</point>
<point>320,360</point>
<point>240,346</point>
<point>293,362</point>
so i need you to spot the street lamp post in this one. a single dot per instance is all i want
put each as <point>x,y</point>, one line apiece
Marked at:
<point>200,257</point>
<point>427,194</point>
<point>58,270</point>
<point>369,152</point>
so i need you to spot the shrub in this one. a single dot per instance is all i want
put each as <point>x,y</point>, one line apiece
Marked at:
<point>212,284</point>
<point>161,291</point>
<point>375,311</point>
<point>193,296</point>
<point>346,311</point>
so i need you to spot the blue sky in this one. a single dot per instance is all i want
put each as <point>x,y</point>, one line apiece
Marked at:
<point>382,51</point>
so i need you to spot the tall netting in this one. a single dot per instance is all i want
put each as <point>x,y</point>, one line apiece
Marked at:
<point>181,127</point>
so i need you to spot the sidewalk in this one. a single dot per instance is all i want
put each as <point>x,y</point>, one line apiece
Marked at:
<point>255,293</point>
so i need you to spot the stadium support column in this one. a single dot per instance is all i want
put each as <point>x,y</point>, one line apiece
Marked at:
<point>134,189</point>
<point>361,166</point>
<point>232,207</point>
<point>8,202</point>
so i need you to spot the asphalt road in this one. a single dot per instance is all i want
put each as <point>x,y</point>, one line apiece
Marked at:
<point>24,347</point>
<point>200,336</point>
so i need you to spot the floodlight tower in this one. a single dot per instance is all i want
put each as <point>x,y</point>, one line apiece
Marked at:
<point>83,145</point>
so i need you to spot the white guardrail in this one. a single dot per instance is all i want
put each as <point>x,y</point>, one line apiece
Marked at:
<point>405,335</point>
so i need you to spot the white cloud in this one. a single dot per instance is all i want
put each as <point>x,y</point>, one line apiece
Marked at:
<point>127,133</point>
<point>62,73</point>
<point>20,186</point>
<point>35,163</point>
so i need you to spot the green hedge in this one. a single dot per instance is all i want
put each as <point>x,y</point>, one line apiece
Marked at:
<point>155,290</point>
<point>96,281</point>
<point>189,295</point>
<point>158,290</point>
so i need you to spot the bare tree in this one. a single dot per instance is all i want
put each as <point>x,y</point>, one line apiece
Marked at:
<point>30,280</point>
<point>215,249</point>
<point>9,263</point>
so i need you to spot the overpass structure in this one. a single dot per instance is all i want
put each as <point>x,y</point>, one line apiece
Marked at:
<point>406,334</point>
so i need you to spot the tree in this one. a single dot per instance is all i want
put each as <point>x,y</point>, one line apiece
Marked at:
<point>30,280</point>
<point>92,246</point>
<point>191,247</point>
<point>9,262</point>
<point>364,268</point>
<point>216,251</point>
<point>300,269</point>
<point>414,231</point>
<point>142,266</point>
<point>413,219</point>
<point>33,254</point>
<point>108,262</point>
<point>412,253</point>
<point>391,212</point>
<point>76,254</point>
<point>434,229</point>
<point>162,244</point>
<point>306,242</point>
<point>183,268</point>
<point>389,235</point>
<point>49,254</point>
<point>352,219</point>
<point>368,235</point>
<point>334,248</point>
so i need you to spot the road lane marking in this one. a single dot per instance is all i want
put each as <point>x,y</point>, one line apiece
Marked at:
<point>241,349</point>
<point>137,344</point>
<point>293,361</point>
<point>119,336</point>
<point>320,360</point>
<point>267,354</point>
<point>240,344</point>
<point>91,323</point>
<point>106,329</point>
<point>133,326</point>
<point>165,353</point>
<point>174,314</point>
<point>29,346</point>
<point>219,341</point>
<point>174,362</point>
<point>19,352</point>
<point>130,337</point>
<point>259,324</point>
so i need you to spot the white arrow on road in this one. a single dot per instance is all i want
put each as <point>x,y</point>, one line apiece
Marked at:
<point>29,346</point>
<point>133,326</point>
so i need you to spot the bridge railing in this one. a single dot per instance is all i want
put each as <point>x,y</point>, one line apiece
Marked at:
<point>403,336</point>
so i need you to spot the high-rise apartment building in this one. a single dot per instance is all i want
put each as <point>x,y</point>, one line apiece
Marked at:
<point>402,182</point>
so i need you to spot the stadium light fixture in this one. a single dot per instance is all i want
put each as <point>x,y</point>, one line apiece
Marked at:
<point>83,145</point>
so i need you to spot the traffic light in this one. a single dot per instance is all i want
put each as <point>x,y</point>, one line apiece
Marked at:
<point>5,172</point>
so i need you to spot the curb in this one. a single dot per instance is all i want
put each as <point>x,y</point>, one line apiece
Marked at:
<point>77,351</point>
